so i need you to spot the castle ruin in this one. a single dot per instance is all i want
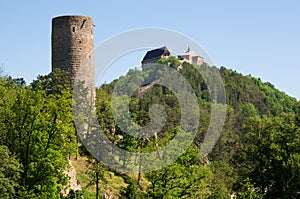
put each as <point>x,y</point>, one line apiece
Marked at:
<point>73,48</point>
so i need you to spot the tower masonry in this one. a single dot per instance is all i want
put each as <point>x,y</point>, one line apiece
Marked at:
<point>73,48</point>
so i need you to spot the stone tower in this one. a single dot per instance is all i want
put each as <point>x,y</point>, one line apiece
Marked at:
<point>73,47</point>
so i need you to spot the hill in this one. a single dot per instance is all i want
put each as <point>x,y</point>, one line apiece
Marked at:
<point>249,101</point>
<point>256,156</point>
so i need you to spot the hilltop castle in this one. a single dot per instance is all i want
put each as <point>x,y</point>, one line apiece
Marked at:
<point>153,56</point>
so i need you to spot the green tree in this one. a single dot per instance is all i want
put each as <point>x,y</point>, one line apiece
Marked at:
<point>132,191</point>
<point>186,178</point>
<point>37,127</point>
<point>10,173</point>
<point>53,83</point>
<point>248,191</point>
<point>171,61</point>
<point>96,173</point>
<point>271,157</point>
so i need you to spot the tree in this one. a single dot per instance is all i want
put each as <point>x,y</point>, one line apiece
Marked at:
<point>186,178</point>
<point>10,173</point>
<point>132,191</point>
<point>171,61</point>
<point>37,126</point>
<point>96,172</point>
<point>222,180</point>
<point>271,155</point>
<point>53,83</point>
<point>249,191</point>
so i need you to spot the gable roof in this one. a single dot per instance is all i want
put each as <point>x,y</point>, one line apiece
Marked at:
<point>156,53</point>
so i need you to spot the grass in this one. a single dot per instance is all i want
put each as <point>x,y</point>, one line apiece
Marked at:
<point>112,186</point>
<point>82,178</point>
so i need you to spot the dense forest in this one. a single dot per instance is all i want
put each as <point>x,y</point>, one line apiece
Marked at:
<point>257,155</point>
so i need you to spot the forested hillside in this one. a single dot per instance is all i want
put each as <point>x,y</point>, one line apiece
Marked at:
<point>257,155</point>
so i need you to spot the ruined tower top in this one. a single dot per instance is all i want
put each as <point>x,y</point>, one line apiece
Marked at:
<point>73,47</point>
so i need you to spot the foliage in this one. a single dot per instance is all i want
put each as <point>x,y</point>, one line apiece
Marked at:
<point>10,173</point>
<point>96,173</point>
<point>132,191</point>
<point>74,195</point>
<point>37,127</point>
<point>232,158</point>
<point>271,155</point>
<point>171,61</point>
<point>186,178</point>
<point>53,83</point>
<point>257,155</point>
<point>248,191</point>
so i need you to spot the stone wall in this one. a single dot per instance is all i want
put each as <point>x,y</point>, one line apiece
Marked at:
<point>73,47</point>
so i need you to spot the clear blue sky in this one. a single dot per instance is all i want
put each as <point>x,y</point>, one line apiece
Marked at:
<point>261,38</point>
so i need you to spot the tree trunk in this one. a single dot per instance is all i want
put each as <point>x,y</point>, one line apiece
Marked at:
<point>97,181</point>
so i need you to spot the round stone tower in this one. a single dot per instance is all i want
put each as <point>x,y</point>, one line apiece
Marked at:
<point>73,47</point>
